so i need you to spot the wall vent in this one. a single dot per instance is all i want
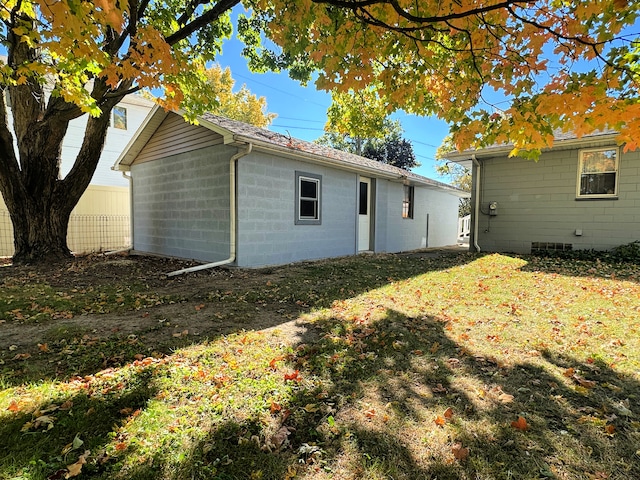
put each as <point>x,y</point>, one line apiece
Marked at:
<point>550,247</point>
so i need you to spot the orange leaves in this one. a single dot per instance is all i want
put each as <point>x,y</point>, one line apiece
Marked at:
<point>520,424</point>
<point>294,376</point>
<point>13,406</point>
<point>441,420</point>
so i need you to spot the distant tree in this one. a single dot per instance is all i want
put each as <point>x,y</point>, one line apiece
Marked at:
<point>360,115</point>
<point>458,175</point>
<point>391,148</point>
<point>241,105</point>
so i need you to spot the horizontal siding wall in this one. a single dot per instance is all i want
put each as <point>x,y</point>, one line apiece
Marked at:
<point>175,136</point>
<point>267,234</point>
<point>537,203</point>
<point>181,205</point>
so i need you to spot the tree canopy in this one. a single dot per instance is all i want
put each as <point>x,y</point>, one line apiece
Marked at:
<point>570,64</point>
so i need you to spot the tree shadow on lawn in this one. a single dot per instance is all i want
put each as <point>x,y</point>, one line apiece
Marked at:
<point>205,306</point>
<point>380,409</point>
<point>42,439</point>
<point>577,267</point>
<point>395,398</point>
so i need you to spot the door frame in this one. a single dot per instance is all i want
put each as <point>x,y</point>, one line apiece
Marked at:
<point>369,223</point>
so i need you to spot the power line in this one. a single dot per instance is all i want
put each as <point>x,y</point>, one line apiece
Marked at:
<point>298,128</point>
<point>278,89</point>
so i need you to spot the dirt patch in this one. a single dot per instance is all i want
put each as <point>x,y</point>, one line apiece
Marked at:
<point>193,306</point>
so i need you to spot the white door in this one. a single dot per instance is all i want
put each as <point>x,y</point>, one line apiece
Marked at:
<point>364,214</point>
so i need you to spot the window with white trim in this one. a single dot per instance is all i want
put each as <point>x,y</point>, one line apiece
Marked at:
<point>598,173</point>
<point>407,202</point>
<point>308,204</point>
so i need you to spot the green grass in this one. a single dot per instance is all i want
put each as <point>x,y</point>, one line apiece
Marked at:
<point>410,368</point>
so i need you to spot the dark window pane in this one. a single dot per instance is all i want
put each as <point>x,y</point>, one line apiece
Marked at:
<point>598,184</point>
<point>308,189</point>
<point>364,198</point>
<point>308,209</point>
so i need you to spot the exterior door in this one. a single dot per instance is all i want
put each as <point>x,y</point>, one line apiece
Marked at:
<point>364,214</point>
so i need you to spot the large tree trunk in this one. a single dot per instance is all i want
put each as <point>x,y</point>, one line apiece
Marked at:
<point>40,215</point>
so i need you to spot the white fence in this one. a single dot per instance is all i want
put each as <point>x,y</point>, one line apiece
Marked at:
<point>464,229</point>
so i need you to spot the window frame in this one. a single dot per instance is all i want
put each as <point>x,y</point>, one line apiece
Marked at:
<point>308,220</point>
<point>408,201</point>
<point>616,171</point>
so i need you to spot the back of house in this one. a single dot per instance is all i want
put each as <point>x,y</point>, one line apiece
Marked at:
<point>584,193</point>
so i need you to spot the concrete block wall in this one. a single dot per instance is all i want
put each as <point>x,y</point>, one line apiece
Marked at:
<point>537,203</point>
<point>181,205</point>
<point>440,209</point>
<point>267,233</point>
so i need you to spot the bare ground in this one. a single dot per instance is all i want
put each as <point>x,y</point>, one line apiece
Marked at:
<point>189,313</point>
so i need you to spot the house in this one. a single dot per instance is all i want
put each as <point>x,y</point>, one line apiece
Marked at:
<point>584,193</point>
<point>100,220</point>
<point>230,193</point>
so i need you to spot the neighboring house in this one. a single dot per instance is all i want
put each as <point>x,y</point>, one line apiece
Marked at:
<point>227,192</point>
<point>584,193</point>
<point>100,220</point>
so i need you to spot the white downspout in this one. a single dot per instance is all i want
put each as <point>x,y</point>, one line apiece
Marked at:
<point>476,203</point>
<point>232,218</point>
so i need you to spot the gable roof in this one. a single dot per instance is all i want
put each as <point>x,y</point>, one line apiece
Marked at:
<point>239,133</point>
<point>562,141</point>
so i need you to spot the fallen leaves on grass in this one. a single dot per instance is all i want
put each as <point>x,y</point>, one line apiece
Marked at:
<point>75,469</point>
<point>459,452</point>
<point>520,424</point>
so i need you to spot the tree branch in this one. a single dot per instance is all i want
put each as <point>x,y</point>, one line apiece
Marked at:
<point>363,4</point>
<point>199,22</point>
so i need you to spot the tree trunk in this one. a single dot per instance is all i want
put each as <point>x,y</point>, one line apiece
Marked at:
<point>39,230</point>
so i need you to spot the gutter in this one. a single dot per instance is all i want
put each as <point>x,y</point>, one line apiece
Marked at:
<point>476,202</point>
<point>232,218</point>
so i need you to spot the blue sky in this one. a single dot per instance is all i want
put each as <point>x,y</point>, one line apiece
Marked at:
<point>302,111</point>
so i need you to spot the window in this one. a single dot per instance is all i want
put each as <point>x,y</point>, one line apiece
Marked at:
<point>363,202</point>
<point>120,118</point>
<point>598,173</point>
<point>407,202</point>
<point>308,188</point>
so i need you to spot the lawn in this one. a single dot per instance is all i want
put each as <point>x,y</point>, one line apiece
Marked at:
<point>463,366</point>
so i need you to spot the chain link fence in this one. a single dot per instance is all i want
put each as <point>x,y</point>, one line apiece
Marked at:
<point>86,233</point>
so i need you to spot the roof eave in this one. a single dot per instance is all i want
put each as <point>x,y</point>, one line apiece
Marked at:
<point>561,144</point>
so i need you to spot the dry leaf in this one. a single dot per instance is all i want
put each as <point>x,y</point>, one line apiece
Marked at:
<point>505,398</point>
<point>280,437</point>
<point>459,451</point>
<point>440,421</point>
<point>370,413</point>
<point>76,468</point>
<point>584,382</point>
<point>569,372</point>
<point>13,407</point>
<point>520,424</point>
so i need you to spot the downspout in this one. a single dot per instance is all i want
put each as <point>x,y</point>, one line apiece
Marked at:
<point>232,218</point>
<point>476,202</point>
